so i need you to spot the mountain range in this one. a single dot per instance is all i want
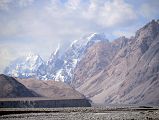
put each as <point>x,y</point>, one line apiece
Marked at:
<point>59,67</point>
<point>122,71</point>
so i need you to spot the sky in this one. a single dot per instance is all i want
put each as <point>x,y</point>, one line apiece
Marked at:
<point>40,25</point>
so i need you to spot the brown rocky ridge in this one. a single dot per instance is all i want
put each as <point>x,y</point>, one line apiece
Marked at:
<point>11,88</point>
<point>124,71</point>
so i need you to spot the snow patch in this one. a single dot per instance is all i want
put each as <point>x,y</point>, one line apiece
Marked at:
<point>73,43</point>
<point>59,76</point>
<point>57,49</point>
<point>91,36</point>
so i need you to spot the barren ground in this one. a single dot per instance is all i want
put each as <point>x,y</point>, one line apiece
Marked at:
<point>91,113</point>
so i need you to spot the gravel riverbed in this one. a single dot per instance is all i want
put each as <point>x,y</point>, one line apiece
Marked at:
<point>82,114</point>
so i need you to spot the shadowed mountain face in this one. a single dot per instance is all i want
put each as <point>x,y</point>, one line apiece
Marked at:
<point>11,88</point>
<point>122,71</point>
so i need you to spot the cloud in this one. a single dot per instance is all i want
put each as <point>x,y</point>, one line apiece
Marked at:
<point>111,13</point>
<point>127,34</point>
<point>73,4</point>
<point>6,4</point>
<point>38,26</point>
<point>150,9</point>
<point>60,19</point>
<point>24,3</point>
<point>103,13</point>
<point>6,55</point>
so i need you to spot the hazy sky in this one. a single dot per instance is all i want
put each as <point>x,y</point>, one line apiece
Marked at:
<point>40,25</point>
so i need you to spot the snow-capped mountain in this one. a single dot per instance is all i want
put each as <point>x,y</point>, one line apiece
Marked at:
<point>53,65</point>
<point>60,66</point>
<point>123,71</point>
<point>27,66</point>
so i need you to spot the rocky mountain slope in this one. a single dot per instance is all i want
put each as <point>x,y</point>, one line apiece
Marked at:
<point>14,88</point>
<point>51,89</point>
<point>123,71</point>
<point>11,88</point>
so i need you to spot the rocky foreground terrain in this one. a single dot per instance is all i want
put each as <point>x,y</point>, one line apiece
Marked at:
<point>92,113</point>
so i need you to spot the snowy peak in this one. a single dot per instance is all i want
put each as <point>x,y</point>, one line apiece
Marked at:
<point>31,56</point>
<point>74,54</point>
<point>32,59</point>
<point>57,49</point>
<point>60,66</point>
<point>25,66</point>
<point>97,36</point>
<point>79,47</point>
<point>54,55</point>
<point>91,38</point>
